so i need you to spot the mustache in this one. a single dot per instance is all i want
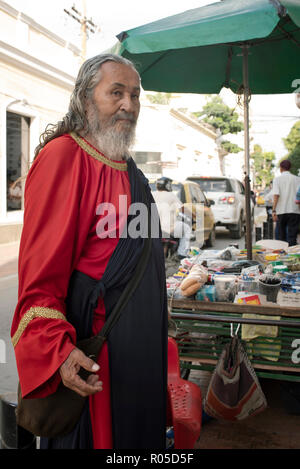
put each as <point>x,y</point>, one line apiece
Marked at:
<point>124,115</point>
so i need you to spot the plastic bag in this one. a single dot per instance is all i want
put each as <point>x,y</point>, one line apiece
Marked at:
<point>196,278</point>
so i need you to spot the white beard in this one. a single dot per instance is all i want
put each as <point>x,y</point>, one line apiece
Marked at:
<point>114,143</point>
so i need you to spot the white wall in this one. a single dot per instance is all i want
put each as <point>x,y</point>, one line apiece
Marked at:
<point>31,84</point>
<point>185,147</point>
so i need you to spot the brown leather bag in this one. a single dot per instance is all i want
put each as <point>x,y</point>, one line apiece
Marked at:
<point>57,414</point>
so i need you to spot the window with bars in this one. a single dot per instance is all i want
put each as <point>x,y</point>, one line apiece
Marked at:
<point>17,158</point>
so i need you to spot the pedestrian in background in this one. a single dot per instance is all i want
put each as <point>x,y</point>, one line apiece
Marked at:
<point>174,222</point>
<point>285,210</point>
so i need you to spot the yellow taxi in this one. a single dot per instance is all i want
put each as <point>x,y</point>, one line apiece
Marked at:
<point>198,207</point>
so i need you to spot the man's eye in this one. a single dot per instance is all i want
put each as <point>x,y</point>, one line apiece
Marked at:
<point>117,93</point>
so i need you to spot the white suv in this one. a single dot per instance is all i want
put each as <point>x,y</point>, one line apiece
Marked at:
<point>229,208</point>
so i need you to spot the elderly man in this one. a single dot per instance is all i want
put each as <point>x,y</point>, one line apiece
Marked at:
<point>285,210</point>
<point>67,263</point>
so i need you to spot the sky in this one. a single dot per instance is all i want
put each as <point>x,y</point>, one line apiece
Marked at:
<point>272,115</point>
<point>111,16</point>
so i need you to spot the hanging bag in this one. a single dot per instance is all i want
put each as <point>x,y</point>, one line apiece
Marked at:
<point>234,392</point>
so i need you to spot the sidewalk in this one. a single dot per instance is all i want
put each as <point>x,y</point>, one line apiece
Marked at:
<point>9,259</point>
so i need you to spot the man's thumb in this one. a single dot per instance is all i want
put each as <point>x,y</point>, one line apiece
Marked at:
<point>87,363</point>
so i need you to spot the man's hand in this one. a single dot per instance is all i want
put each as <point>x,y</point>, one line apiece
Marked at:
<point>274,216</point>
<point>70,378</point>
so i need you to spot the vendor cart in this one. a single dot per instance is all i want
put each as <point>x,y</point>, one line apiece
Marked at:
<point>270,335</point>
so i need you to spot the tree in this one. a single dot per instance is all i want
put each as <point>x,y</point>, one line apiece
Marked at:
<point>263,165</point>
<point>159,98</point>
<point>293,138</point>
<point>226,121</point>
<point>292,144</point>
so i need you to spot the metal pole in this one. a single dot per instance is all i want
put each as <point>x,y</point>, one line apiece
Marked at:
<point>247,153</point>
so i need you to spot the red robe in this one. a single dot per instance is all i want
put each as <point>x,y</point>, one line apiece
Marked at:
<point>65,185</point>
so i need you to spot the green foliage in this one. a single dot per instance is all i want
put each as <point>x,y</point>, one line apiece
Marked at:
<point>292,144</point>
<point>159,98</point>
<point>220,116</point>
<point>230,147</point>
<point>294,157</point>
<point>293,138</point>
<point>263,164</point>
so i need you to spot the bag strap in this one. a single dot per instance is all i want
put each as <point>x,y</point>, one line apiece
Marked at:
<point>134,281</point>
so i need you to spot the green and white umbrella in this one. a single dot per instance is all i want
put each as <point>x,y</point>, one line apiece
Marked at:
<point>249,46</point>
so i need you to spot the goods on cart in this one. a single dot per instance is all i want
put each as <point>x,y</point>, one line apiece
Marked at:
<point>228,276</point>
<point>269,286</point>
<point>197,277</point>
<point>225,287</point>
<point>237,291</point>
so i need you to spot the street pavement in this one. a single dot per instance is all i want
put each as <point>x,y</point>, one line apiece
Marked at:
<point>8,301</point>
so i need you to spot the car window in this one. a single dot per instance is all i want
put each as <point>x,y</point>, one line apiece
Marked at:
<point>183,196</point>
<point>177,189</point>
<point>201,196</point>
<point>194,194</point>
<point>241,187</point>
<point>214,185</point>
<point>204,198</point>
<point>197,195</point>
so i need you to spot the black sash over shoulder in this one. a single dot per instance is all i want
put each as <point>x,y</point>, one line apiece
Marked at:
<point>137,344</point>
<point>118,270</point>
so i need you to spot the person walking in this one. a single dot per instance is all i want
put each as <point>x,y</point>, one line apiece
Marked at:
<point>174,221</point>
<point>285,211</point>
<point>74,263</point>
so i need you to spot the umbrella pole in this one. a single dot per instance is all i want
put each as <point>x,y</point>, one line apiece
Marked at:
<point>247,153</point>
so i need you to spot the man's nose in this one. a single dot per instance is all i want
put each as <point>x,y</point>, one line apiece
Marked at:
<point>128,104</point>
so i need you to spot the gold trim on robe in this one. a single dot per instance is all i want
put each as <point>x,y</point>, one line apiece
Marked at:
<point>35,312</point>
<point>122,165</point>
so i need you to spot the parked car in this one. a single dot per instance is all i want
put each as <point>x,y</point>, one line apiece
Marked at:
<point>229,208</point>
<point>195,203</point>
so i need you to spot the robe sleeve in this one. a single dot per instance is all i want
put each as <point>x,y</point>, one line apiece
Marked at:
<point>41,335</point>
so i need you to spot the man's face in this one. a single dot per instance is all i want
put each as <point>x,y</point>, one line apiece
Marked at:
<point>116,98</point>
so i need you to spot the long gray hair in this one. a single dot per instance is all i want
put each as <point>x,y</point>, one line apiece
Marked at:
<point>75,120</point>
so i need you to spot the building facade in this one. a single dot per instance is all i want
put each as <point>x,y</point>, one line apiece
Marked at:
<point>172,144</point>
<point>37,70</point>
<point>37,73</point>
